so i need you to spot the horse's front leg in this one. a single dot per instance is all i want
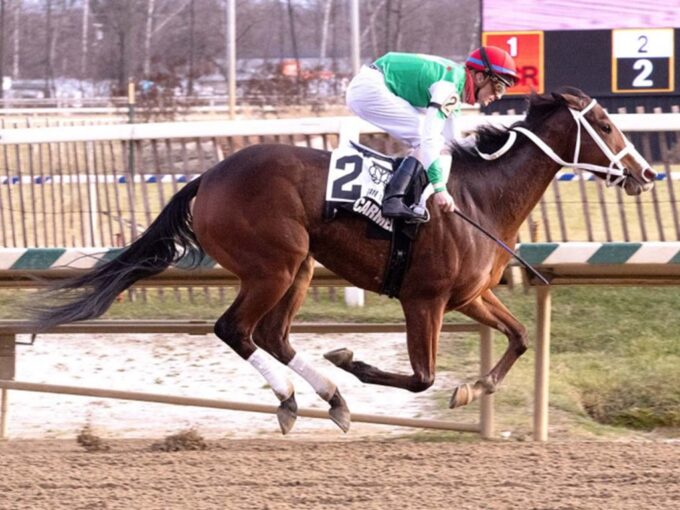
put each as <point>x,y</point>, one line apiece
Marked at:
<point>423,322</point>
<point>488,310</point>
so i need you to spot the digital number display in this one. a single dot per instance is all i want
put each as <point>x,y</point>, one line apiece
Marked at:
<point>612,50</point>
<point>526,48</point>
<point>643,60</point>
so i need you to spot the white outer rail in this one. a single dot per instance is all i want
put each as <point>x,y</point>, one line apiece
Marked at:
<point>638,122</point>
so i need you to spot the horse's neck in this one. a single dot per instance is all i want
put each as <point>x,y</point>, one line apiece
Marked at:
<point>518,185</point>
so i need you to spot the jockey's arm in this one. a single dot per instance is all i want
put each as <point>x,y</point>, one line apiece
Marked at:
<point>431,145</point>
<point>430,150</point>
<point>444,101</point>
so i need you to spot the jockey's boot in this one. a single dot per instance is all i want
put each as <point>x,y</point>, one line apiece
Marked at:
<point>393,204</point>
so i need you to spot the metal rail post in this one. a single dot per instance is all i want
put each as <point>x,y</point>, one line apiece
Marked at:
<point>231,56</point>
<point>7,370</point>
<point>542,364</point>
<point>486,412</point>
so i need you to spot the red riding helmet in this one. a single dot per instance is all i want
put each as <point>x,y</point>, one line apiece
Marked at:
<point>495,62</point>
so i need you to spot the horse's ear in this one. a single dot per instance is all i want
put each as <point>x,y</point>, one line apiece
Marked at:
<point>572,101</point>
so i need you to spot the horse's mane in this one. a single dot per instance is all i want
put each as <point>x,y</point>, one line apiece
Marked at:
<point>489,139</point>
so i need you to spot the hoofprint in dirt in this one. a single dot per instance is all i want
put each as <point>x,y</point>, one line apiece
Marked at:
<point>293,473</point>
<point>194,366</point>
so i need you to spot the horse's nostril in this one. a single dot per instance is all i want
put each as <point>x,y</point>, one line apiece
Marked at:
<point>648,174</point>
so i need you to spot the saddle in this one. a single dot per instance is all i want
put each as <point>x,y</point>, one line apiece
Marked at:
<point>357,178</point>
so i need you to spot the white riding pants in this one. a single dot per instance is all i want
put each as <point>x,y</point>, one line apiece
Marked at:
<point>369,98</point>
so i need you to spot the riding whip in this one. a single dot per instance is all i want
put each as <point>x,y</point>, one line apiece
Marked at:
<point>504,246</point>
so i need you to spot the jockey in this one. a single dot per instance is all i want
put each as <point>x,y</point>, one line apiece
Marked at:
<point>414,98</point>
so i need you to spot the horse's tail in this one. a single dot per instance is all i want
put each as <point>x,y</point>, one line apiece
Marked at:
<point>168,239</point>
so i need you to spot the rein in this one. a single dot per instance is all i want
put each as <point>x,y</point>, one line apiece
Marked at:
<point>500,243</point>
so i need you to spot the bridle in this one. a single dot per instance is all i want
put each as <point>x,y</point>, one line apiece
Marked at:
<point>616,173</point>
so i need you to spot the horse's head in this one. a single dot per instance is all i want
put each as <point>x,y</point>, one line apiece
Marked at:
<point>603,149</point>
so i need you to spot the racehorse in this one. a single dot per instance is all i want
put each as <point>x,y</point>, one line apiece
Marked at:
<point>259,214</point>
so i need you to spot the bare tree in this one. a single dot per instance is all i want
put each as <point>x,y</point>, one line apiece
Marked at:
<point>324,28</point>
<point>398,35</point>
<point>49,71</point>
<point>2,48</point>
<point>15,59</point>
<point>192,47</point>
<point>388,23</point>
<point>84,40</point>
<point>373,10</point>
<point>59,19</point>
<point>154,23</point>
<point>293,40</point>
<point>120,21</point>
<point>185,39</point>
<point>150,8</point>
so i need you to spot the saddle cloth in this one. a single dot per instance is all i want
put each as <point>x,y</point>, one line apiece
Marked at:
<point>357,177</point>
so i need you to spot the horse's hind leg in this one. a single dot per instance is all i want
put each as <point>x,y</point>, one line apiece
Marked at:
<point>423,322</point>
<point>488,310</point>
<point>272,334</point>
<point>235,327</point>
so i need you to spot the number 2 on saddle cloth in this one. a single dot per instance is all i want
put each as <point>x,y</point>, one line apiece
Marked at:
<point>357,177</point>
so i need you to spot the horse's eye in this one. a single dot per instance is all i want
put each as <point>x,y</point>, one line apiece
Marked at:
<point>606,128</point>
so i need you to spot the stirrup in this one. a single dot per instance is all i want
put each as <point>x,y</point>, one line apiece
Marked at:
<point>423,215</point>
<point>394,207</point>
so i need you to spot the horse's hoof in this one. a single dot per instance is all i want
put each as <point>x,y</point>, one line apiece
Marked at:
<point>287,414</point>
<point>340,357</point>
<point>339,412</point>
<point>462,396</point>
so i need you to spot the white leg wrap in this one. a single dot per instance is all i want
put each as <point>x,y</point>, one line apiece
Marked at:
<point>273,374</point>
<point>323,386</point>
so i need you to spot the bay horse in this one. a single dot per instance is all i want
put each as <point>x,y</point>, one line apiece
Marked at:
<point>259,214</point>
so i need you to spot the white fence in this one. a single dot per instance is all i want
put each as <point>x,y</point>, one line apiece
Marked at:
<point>315,131</point>
<point>639,122</point>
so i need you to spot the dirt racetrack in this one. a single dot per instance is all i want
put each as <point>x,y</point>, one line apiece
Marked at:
<point>248,465</point>
<point>292,473</point>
